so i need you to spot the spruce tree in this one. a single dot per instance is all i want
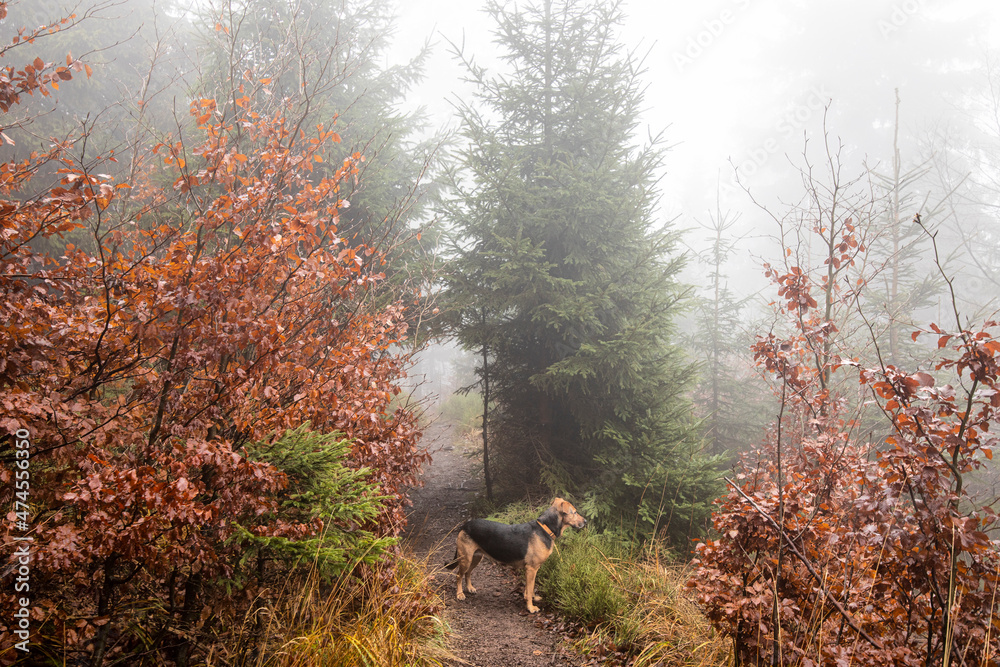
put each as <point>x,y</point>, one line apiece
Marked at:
<point>567,278</point>
<point>729,395</point>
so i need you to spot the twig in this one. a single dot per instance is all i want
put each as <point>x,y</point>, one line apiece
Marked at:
<point>819,582</point>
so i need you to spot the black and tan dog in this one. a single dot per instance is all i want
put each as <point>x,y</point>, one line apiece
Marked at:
<point>523,544</point>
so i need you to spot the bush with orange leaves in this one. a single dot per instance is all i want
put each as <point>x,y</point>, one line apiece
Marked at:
<point>208,304</point>
<point>835,549</point>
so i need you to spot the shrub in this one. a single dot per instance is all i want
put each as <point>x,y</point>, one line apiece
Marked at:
<point>839,546</point>
<point>321,492</point>
<point>205,316</point>
<point>628,594</point>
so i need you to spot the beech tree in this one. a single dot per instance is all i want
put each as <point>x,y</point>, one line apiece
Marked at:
<point>832,548</point>
<point>566,279</point>
<point>328,59</point>
<point>162,373</point>
<point>848,534</point>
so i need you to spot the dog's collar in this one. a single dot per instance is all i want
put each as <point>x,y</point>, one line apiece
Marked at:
<point>546,529</point>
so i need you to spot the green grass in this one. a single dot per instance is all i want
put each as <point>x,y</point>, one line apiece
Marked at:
<point>465,411</point>
<point>631,597</point>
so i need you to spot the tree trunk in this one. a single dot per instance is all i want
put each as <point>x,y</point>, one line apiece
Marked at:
<point>488,477</point>
<point>188,617</point>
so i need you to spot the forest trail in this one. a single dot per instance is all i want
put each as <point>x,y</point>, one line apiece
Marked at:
<point>491,628</point>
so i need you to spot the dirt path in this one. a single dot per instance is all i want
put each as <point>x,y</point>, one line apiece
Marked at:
<point>491,628</point>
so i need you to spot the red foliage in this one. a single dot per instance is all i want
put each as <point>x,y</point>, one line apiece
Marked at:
<point>37,75</point>
<point>833,551</point>
<point>212,303</point>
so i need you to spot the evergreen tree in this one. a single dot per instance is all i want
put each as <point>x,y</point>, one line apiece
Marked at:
<point>730,398</point>
<point>565,278</point>
<point>906,282</point>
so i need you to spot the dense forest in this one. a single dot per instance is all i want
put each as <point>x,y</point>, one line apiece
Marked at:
<point>229,244</point>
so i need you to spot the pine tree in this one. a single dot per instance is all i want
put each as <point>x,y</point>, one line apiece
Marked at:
<point>566,278</point>
<point>728,396</point>
<point>906,283</point>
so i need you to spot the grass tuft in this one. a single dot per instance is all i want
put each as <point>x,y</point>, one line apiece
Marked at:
<point>385,618</point>
<point>632,599</point>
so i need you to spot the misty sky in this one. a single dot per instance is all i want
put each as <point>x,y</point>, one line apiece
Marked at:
<point>741,80</point>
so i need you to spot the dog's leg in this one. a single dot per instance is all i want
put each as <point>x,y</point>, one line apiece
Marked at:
<point>467,559</point>
<point>529,588</point>
<point>459,574</point>
<point>464,561</point>
<point>478,556</point>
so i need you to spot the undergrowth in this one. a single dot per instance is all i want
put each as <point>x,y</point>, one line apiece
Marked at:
<point>385,617</point>
<point>630,598</point>
<point>465,411</point>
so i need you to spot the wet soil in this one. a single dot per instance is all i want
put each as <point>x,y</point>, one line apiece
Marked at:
<point>491,628</point>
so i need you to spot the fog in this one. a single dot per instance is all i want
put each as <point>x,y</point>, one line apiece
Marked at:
<point>736,83</point>
<point>747,94</point>
<point>248,255</point>
<point>740,86</point>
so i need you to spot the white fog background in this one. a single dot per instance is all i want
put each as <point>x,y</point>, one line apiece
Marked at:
<point>738,85</point>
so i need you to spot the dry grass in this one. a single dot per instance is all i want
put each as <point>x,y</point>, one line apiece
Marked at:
<point>674,630</point>
<point>356,623</point>
<point>659,625</point>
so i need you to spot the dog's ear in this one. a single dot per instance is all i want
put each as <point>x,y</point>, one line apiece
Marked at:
<point>558,502</point>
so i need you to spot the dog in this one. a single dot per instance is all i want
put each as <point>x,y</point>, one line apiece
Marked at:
<point>523,544</point>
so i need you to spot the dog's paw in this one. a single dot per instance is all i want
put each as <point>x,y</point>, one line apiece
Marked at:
<point>532,609</point>
<point>469,588</point>
<point>536,598</point>
<point>460,595</point>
